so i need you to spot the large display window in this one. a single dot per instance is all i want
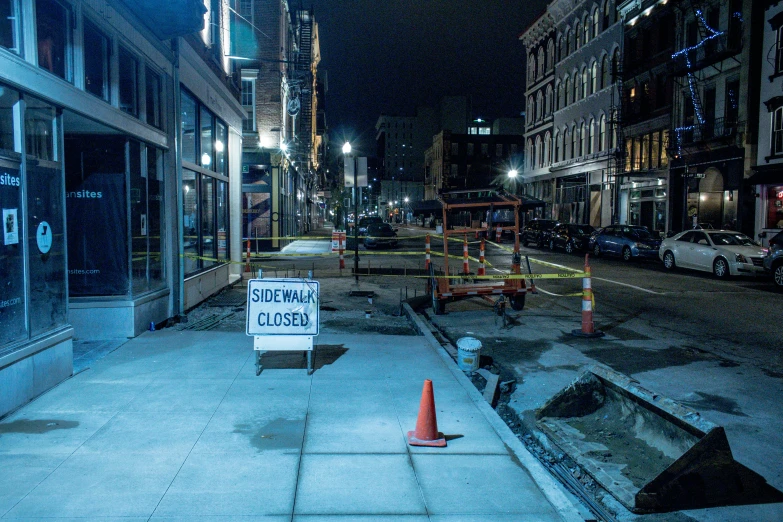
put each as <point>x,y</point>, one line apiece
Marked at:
<point>775,207</point>
<point>13,325</point>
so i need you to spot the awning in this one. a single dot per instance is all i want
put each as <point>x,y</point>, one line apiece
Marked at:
<point>766,175</point>
<point>430,206</point>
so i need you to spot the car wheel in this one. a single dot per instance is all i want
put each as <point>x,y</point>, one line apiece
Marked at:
<point>626,253</point>
<point>777,274</point>
<point>552,245</point>
<point>569,247</point>
<point>720,268</point>
<point>597,250</point>
<point>668,260</point>
<point>518,302</point>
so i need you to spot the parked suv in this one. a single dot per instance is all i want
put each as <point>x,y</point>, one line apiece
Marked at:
<point>570,237</point>
<point>537,231</point>
<point>773,261</point>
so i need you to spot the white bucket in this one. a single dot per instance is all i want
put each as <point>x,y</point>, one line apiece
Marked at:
<point>468,354</point>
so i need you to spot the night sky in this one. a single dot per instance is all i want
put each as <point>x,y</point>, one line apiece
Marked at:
<point>390,56</point>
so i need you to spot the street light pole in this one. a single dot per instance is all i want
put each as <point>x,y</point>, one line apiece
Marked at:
<point>347,151</point>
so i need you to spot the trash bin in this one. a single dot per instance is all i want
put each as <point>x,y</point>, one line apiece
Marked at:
<point>468,354</point>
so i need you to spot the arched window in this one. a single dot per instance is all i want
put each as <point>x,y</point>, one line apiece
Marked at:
<point>531,69</point>
<point>583,141</point>
<point>548,105</point>
<point>594,77</point>
<point>566,144</point>
<point>567,91</point>
<point>615,63</point>
<point>577,35</point>
<point>539,151</point>
<point>591,137</point>
<point>577,85</point>
<point>539,106</point>
<point>547,149</point>
<point>541,61</point>
<point>557,149</point>
<point>567,46</point>
<point>607,14</point>
<point>605,77</point>
<point>530,154</point>
<point>586,28</point>
<point>558,96</point>
<point>596,27</point>
<point>613,124</point>
<point>574,141</point>
<point>585,82</point>
<point>602,133</point>
<point>550,52</point>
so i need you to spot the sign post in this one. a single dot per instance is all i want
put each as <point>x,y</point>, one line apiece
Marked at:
<point>283,314</point>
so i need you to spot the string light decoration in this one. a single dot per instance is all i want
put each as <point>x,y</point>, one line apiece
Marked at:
<point>711,34</point>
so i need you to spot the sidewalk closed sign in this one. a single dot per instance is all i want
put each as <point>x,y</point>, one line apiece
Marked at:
<point>282,307</point>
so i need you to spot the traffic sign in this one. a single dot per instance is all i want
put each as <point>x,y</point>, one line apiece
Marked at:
<point>282,307</point>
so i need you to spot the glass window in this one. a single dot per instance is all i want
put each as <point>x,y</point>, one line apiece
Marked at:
<point>96,61</point>
<point>46,247</point>
<point>222,221</point>
<point>190,201</point>
<point>471,147</point>
<point>499,150</point>
<point>249,104</point>
<point>8,99</point>
<point>207,139</point>
<point>13,325</point>
<point>155,218</point>
<point>53,26</point>
<point>208,243</point>
<point>188,128</point>
<point>153,93</point>
<point>95,192</point>
<point>221,144</point>
<point>774,217</point>
<point>777,131</point>
<point>9,25</point>
<point>129,83</point>
<point>454,149</point>
<point>40,123</point>
<point>138,222</point>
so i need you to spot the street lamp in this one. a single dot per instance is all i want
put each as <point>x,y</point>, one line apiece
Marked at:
<point>513,173</point>
<point>347,152</point>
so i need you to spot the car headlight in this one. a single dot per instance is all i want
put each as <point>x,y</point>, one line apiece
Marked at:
<point>739,258</point>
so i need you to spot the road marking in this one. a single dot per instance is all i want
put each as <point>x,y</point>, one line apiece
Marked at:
<point>630,286</point>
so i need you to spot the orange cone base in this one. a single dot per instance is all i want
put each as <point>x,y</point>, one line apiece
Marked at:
<point>587,335</point>
<point>436,443</point>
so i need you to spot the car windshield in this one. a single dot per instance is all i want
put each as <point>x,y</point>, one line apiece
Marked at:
<point>732,239</point>
<point>642,233</point>
<point>581,229</point>
<point>380,228</point>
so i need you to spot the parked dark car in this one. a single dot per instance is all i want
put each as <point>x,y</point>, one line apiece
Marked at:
<point>366,222</point>
<point>380,235</point>
<point>773,261</point>
<point>537,231</point>
<point>627,241</point>
<point>570,237</point>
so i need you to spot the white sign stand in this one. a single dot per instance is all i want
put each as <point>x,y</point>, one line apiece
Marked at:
<point>283,315</point>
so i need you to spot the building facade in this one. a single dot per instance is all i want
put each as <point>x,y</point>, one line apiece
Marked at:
<point>119,144</point>
<point>767,181</point>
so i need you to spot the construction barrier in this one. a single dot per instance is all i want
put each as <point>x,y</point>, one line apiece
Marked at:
<point>588,328</point>
<point>427,250</point>
<point>247,263</point>
<point>465,264</point>
<point>342,241</point>
<point>481,270</point>
<point>498,234</point>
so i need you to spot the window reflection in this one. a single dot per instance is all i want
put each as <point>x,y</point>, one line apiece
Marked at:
<point>40,123</point>
<point>53,25</point>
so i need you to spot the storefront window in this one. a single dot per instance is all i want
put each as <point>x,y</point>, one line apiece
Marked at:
<point>207,140</point>
<point>97,209</point>
<point>96,61</point>
<point>189,109</point>
<point>138,208</point>
<point>222,221</point>
<point>53,27</point>
<point>9,25</point>
<point>40,122</point>
<point>155,218</point>
<point>153,94</point>
<point>208,243</point>
<point>221,143</point>
<point>129,83</point>
<point>13,325</point>
<point>775,207</point>
<point>8,99</point>
<point>190,233</point>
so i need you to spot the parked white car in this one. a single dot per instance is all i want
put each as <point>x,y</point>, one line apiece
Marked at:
<point>722,252</point>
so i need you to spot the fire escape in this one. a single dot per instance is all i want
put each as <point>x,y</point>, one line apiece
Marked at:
<point>616,166</point>
<point>698,128</point>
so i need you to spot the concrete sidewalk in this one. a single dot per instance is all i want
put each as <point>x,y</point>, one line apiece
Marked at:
<point>175,425</point>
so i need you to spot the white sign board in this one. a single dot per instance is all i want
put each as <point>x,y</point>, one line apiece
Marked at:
<point>282,307</point>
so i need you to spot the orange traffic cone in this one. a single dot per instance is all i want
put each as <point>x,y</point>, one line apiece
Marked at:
<point>426,433</point>
<point>588,327</point>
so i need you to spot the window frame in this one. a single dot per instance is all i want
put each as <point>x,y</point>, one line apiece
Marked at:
<point>106,59</point>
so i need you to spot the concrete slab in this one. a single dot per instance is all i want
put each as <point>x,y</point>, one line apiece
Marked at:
<point>92,486</point>
<point>181,395</point>
<point>232,485</point>
<point>476,485</point>
<point>21,474</point>
<point>357,485</point>
<point>357,432</point>
<point>250,434</point>
<point>79,394</point>
<point>360,518</point>
<point>41,433</point>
